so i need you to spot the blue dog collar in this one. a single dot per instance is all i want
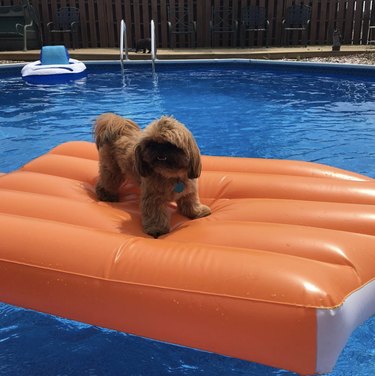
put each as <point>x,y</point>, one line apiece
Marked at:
<point>179,187</point>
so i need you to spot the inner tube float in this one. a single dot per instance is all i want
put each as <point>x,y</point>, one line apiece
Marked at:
<point>54,66</point>
<point>280,273</point>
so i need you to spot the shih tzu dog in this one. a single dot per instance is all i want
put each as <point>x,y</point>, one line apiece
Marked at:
<point>163,158</point>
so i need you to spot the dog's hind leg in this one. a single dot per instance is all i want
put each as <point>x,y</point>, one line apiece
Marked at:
<point>110,178</point>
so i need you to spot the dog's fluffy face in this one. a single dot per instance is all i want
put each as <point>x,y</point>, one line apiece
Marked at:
<point>167,148</point>
<point>163,158</point>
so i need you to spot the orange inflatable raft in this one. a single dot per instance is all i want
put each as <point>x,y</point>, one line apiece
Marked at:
<point>281,273</point>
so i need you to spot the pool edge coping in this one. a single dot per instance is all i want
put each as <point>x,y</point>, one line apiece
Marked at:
<point>255,62</point>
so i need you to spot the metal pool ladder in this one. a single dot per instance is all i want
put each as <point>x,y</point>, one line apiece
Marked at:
<point>124,44</point>
<point>153,46</point>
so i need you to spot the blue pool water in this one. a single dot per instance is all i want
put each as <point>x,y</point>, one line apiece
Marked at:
<point>232,109</point>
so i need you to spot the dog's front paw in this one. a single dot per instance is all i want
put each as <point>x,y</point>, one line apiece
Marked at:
<point>104,195</point>
<point>155,230</point>
<point>202,211</point>
<point>194,211</point>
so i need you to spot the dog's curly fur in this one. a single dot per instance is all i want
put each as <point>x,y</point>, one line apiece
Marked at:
<point>160,158</point>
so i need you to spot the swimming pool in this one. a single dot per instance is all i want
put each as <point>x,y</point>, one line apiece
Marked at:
<point>232,109</point>
<point>263,113</point>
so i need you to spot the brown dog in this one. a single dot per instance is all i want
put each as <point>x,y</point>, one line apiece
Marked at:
<point>164,159</point>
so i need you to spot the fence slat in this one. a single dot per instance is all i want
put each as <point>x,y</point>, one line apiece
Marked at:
<point>84,24</point>
<point>323,22</point>
<point>340,22</point>
<point>146,20</point>
<point>348,30</point>
<point>366,20</point>
<point>358,18</point>
<point>332,20</point>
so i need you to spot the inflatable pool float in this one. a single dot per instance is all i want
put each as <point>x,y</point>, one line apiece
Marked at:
<point>54,66</point>
<point>281,273</point>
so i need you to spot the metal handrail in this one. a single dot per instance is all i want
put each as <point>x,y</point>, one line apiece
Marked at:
<point>123,43</point>
<point>153,41</point>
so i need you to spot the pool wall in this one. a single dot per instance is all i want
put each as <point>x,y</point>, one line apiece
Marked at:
<point>358,69</point>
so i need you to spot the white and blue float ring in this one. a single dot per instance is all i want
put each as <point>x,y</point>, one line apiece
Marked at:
<point>36,72</point>
<point>54,66</point>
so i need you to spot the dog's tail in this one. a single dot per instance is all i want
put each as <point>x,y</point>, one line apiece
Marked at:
<point>109,127</point>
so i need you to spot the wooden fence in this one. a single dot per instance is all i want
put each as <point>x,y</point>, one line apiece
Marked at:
<point>100,20</point>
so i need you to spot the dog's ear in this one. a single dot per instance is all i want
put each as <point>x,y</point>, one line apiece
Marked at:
<point>195,164</point>
<point>142,168</point>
